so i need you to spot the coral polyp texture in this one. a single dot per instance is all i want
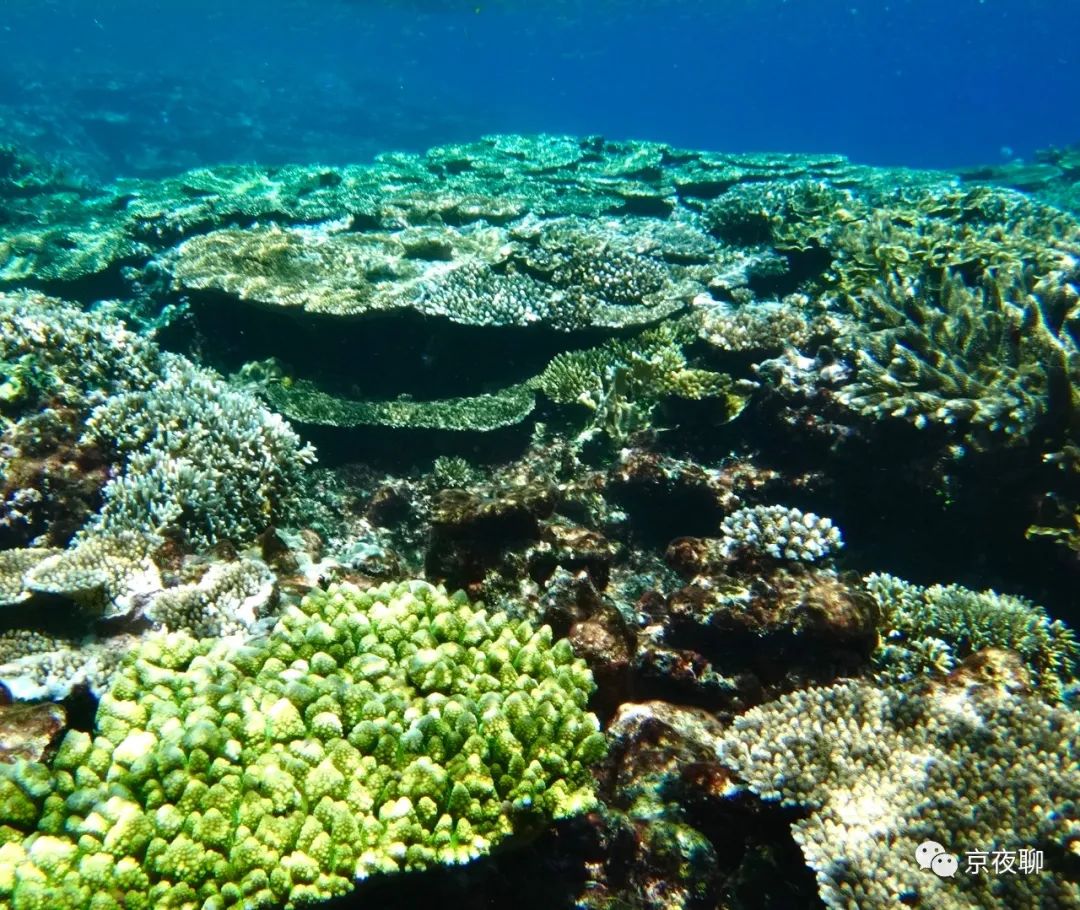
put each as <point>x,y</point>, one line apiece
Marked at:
<point>780,532</point>
<point>305,403</point>
<point>374,731</point>
<point>879,771</point>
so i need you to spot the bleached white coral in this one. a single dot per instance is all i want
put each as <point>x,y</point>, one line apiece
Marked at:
<point>780,532</point>
<point>229,599</point>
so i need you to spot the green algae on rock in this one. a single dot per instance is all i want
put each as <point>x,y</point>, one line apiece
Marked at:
<point>371,732</point>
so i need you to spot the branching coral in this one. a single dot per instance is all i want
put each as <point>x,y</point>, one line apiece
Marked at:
<point>927,630</point>
<point>879,771</point>
<point>780,532</point>
<point>56,353</point>
<point>201,459</point>
<point>621,382</point>
<point>390,730</point>
<point>193,457</point>
<point>995,358</point>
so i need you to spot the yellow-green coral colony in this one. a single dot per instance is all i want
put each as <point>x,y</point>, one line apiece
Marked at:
<point>370,732</point>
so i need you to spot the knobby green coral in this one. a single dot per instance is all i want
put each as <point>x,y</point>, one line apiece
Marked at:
<point>379,731</point>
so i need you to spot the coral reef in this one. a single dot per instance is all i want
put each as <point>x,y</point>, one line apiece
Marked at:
<point>105,575</point>
<point>190,456</point>
<point>484,277</point>
<point>522,359</point>
<point>379,731</point>
<point>993,357</point>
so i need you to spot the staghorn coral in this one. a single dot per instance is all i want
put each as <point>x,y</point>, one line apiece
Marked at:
<point>191,456</point>
<point>981,232</point>
<point>65,356</point>
<point>780,532</point>
<point>879,771</point>
<point>926,630</point>
<point>995,358</point>
<point>384,731</point>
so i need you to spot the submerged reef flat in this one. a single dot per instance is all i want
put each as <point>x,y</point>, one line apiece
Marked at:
<point>540,522</point>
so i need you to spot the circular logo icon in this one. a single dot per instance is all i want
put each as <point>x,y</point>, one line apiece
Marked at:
<point>944,865</point>
<point>926,851</point>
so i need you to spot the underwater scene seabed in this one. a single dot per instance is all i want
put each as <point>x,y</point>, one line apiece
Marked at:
<point>540,522</point>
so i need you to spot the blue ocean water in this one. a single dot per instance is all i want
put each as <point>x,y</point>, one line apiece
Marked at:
<point>126,87</point>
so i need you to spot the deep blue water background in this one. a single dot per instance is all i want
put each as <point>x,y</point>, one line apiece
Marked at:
<point>126,87</point>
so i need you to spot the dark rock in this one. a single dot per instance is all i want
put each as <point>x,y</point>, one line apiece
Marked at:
<point>682,833</point>
<point>574,549</point>
<point>389,506</point>
<point>472,532</point>
<point>29,731</point>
